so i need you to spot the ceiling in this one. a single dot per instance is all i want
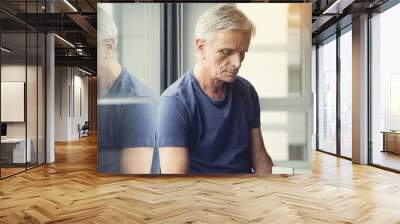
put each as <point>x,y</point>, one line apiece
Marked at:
<point>72,20</point>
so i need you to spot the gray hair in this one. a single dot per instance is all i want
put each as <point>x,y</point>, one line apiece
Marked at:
<point>106,28</point>
<point>223,17</point>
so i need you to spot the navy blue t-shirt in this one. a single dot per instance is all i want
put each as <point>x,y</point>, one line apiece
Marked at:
<point>216,132</point>
<point>125,118</point>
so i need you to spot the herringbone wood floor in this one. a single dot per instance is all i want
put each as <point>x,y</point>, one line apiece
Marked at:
<point>70,191</point>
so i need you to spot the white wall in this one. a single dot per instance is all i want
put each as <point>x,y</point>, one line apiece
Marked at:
<point>61,103</point>
<point>14,73</point>
<point>80,100</point>
<point>69,85</point>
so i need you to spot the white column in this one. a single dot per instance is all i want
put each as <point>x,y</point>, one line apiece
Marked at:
<point>50,92</point>
<point>360,90</point>
<point>50,99</point>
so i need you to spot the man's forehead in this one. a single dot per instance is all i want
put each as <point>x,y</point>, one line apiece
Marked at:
<point>231,38</point>
<point>231,34</point>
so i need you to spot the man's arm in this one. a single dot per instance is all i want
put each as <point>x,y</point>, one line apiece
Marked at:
<point>174,160</point>
<point>262,162</point>
<point>135,133</point>
<point>173,136</point>
<point>136,160</point>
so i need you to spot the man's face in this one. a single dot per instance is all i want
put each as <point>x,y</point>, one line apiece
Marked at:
<point>224,53</point>
<point>105,58</point>
<point>104,55</point>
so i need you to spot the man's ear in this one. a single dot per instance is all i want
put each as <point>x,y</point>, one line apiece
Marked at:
<point>110,44</point>
<point>200,47</point>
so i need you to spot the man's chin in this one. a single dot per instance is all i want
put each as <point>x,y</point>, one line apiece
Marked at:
<point>230,78</point>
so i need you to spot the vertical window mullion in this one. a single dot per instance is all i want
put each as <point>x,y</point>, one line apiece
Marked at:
<point>26,86</point>
<point>37,89</point>
<point>0,91</point>
<point>338,80</point>
<point>317,96</point>
<point>369,91</point>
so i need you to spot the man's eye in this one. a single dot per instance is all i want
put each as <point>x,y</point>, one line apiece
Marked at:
<point>226,52</point>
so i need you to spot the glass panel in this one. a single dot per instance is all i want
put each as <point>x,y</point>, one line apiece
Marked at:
<point>41,6</point>
<point>284,135</point>
<point>280,50</point>
<point>274,66</point>
<point>13,80</point>
<point>127,100</point>
<point>31,100</point>
<point>20,75</point>
<point>394,101</point>
<point>346,94</point>
<point>9,24</point>
<point>145,62</point>
<point>314,86</point>
<point>327,97</point>
<point>385,89</point>
<point>41,99</point>
<point>31,87</point>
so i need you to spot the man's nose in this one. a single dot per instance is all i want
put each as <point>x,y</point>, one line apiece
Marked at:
<point>236,61</point>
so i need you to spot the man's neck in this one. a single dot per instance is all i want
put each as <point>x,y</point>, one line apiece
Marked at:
<point>213,88</point>
<point>110,76</point>
<point>115,71</point>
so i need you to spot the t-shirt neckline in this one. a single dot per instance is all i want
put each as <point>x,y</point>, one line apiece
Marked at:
<point>198,87</point>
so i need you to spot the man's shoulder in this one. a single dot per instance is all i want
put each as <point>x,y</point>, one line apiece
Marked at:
<point>128,85</point>
<point>243,84</point>
<point>180,88</point>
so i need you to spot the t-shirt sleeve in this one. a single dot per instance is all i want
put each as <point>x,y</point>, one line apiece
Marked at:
<point>173,123</point>
<point>138,125</point>
<point>256,112</point>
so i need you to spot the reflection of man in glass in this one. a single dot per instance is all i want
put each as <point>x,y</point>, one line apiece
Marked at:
<point>209,120</point>
<point>126,110</point>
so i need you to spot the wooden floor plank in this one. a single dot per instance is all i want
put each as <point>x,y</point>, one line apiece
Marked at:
<point>70,191</point>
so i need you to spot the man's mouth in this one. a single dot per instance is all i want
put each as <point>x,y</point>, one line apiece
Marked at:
<point>232,72</point>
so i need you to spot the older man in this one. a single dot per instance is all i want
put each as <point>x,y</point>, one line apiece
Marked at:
<point>126,110</point>
<point>209,119</point>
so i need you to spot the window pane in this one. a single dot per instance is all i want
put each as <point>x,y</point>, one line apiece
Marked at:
<point>327,97</point>
<point>273,63</point>
<point>385,89</point>
<point>13,87</point>
<point>31,101</point>
<point>139,48</point>
<point>32,87</point>
<point>346,94</point>
<point>41,98</point>
<point>394,101</point>
<point>284,135</point>
<point>127,101</point>
<point>274,67</point>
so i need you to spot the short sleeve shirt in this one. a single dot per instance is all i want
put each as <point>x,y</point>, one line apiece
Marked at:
<point>216,132</point>
<point>126,118</point>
